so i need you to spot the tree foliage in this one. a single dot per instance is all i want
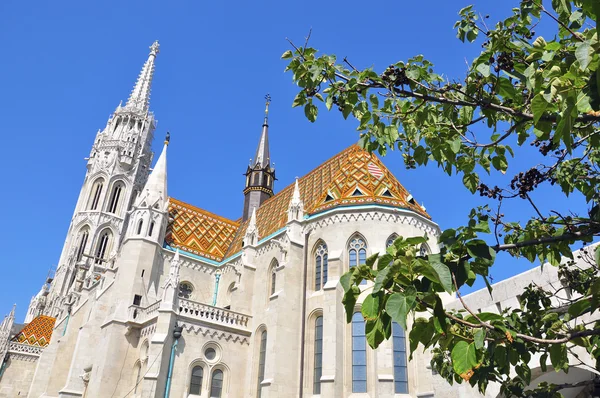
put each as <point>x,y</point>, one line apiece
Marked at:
<point>527,90</point>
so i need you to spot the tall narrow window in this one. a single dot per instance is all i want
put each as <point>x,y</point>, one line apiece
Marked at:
<point>400,367</point>
<point>96,193</point>
<point>320,266</point>
<point>139,226</point>
<point>359,354</point>
<point>357,253</point>
<point>216,384</point>
<point>102,248</point>
<point>318,368</point>
<point>274,266</point>
<point>151,228</point>
<point>390,240</point>
<point>115,196</point>
<point>261,362</point>
<point>196,380</point>
<point>138,372</point>
<point>82,242</point>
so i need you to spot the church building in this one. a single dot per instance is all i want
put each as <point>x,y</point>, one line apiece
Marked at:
<point>155,297</point>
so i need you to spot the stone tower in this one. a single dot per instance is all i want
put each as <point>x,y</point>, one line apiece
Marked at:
<point>117,169</point>
<point>260,175</point>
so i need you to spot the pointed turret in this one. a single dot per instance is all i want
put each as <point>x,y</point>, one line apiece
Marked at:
<point>296,209</point>
<point>155,189</point>
<point>260,176</point>
<point>251,236</point>
<point>140,96</point>
<point>5,334</point>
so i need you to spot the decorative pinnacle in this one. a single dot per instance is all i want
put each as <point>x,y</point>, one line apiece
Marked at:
<point>268,102</point>
<point>154,48</point>
<point>167,138</point>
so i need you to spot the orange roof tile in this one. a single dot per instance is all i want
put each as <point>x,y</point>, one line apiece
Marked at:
<point>37,332</point>
<point>198,231</point>
<point>332,184</point>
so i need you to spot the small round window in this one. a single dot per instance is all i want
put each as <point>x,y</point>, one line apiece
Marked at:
<point>210,353</point>
<point>185,290</point>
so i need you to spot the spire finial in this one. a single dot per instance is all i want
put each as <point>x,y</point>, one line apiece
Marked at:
<point>167,138</point>
<point>268,102</point>
<point>154,48</point>
<point>140,96</point>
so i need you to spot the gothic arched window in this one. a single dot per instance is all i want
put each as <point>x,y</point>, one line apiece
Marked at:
<point>102,247</point>
<point>357,252</point>
<point>318,365</point>
<point>84,235</point>
<point>321,265</point>
<point>273,279</point>
<point>216,384</point>
<point>96,192</point>
<point>359,354</point>
<point>196,380</point>
<point>261,362</point>
<point>139,226</point>
<point>390,240</point>
<point>185,290</point>
<point>400,367</point>
<point>151,228</point>
<point>115,197</point>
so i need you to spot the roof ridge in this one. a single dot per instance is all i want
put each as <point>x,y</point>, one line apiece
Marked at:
<point>200,210</point>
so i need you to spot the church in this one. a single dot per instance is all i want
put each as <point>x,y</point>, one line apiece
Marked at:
<point>156,297</point>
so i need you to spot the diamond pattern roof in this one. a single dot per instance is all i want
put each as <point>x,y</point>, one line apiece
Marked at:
<point>352,177</point>
<point>198,231</point>
<point>37,332</point>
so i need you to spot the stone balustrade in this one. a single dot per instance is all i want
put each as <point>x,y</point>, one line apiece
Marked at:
<point>139,314</point>
<point>213,315</point>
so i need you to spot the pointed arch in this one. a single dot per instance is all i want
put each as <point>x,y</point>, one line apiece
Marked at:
<point>273,276</point>
<point>103,246</point>
<point>82,240</point>
<point>357,251</point>
<point>320,254</point>
<point>117,195</point>
<point>95,194</point>
<point>390,240</point>
<point>140,224</point>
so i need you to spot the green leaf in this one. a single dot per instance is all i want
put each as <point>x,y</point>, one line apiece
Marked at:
<point>471,181</point>
<point>383,277</point>
<point>377,331</point>
<point>310,111</point>
<point>538,107</point>
<point>371,306</point>
<point>441,271</point>
<point>484,69</point>
<point>287,55</point>
<point>478,249</point>
<point>579,307</point>
<point>583,53</point>
<point>558,357</point>
<point>464,357</point>
<point>346,280</point>
<point>400,304</point>
<point>479,338</point>
<point>524,373</point>
<point>349,301</point>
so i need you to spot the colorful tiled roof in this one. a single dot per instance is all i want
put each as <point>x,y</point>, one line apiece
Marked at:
<point>352,177</point>
<point>198,231</point>
<point>332,184</point>
<point>37,332</point>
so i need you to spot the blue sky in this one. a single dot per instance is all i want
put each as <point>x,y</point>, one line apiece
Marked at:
<point>67,64</point>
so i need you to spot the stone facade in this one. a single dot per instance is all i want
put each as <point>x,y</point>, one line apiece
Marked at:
<point>155,298</point>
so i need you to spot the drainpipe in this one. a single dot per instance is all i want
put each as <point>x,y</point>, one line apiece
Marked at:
<point>3,367</point>
<point>67,320</point>
<point>176,335</point>
<point>303,328</point>
<point>217,277</point>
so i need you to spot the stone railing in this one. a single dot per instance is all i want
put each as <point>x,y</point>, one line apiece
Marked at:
<point>213,315</point>
<point>139,314</point>
<point>25,349</point>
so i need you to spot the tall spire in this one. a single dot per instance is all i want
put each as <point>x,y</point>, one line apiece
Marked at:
<point>140,96</point>
<point>262,157</point>
<point>156,186</point>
